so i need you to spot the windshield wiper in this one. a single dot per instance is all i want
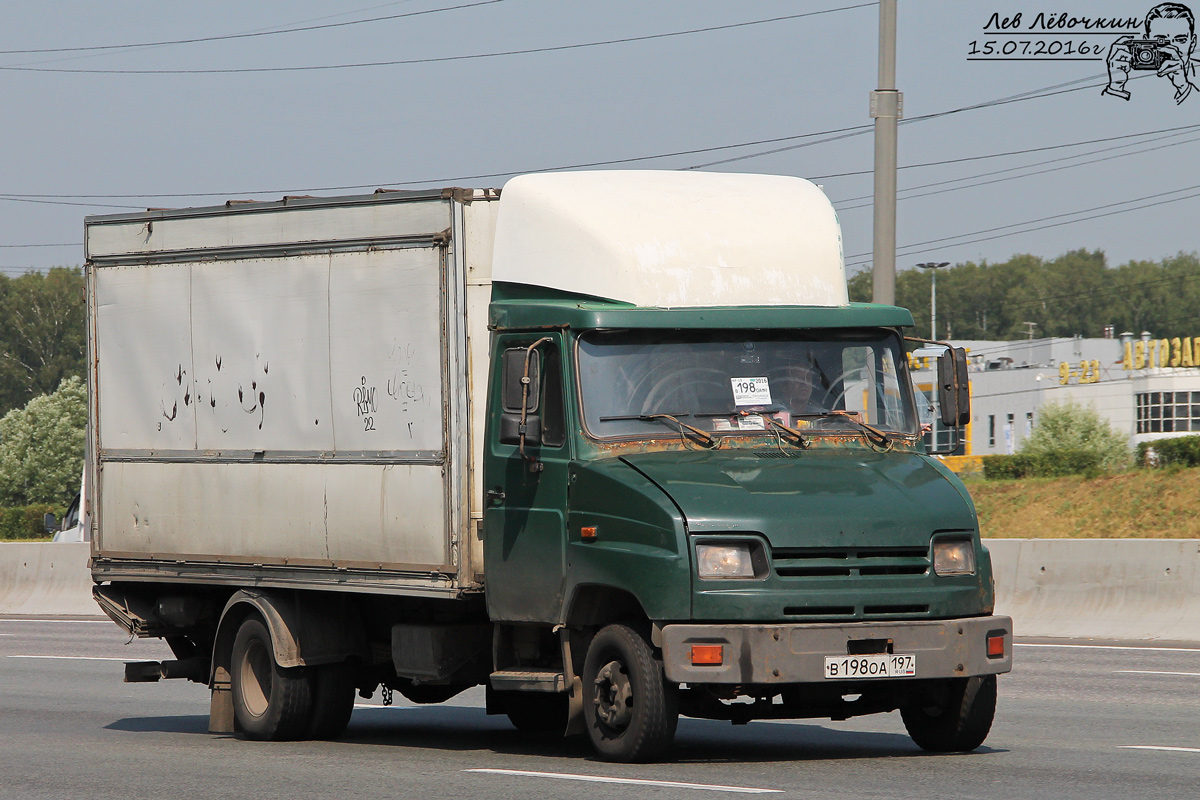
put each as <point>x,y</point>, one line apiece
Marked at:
<point>873,435</point>
<point>793,435</point>
<point>703,436</point>
<point>627,417</point>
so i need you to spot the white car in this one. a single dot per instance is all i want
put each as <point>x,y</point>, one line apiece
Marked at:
<point>74,526</point>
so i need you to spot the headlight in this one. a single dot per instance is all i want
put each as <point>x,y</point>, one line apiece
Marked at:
<point>954,557</point>
<point>724,561</point>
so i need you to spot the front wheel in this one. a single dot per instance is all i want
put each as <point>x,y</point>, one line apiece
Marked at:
<point>630,709</point>
<point>954,717</point>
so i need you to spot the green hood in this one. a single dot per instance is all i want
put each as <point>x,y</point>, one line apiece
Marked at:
<point>819,498</point>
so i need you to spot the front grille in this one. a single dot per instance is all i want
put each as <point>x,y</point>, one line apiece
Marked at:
<point>819,611</point>
<point>821,562</point>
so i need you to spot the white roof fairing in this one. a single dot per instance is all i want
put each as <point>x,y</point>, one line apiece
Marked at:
<point>672,239</point>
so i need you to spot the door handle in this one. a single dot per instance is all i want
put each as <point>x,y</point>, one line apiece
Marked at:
<point>495,496</point>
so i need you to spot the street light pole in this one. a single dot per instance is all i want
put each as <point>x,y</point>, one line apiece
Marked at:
<point>886,109</point>
<point>933,267</point>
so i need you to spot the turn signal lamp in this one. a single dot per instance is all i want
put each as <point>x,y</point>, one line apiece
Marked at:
<point>588,533</point>
<point>707,655</point>
<point>995,645</point>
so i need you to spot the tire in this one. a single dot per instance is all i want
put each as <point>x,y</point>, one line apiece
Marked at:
<point>333,700</point>
<point>270,702</point>
<point>955,719</point>
<point>629,709</point>
<point>536,712</point>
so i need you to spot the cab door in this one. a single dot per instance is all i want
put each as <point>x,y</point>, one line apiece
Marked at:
<point>525,513</point>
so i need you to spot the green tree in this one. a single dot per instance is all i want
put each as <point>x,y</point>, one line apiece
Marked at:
<point>41,333</point>
<point>1075,293</point>
<point>1072,438</point>
<point>41,447</point>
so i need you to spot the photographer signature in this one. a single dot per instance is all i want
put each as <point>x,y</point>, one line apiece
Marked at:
<point>1167,50</point>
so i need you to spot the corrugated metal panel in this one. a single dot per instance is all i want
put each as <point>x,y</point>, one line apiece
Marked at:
<point>264,226</point>
<point>292,410</point>
<point>276,513</point>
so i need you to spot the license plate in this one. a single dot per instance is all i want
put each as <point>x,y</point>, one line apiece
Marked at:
<point>883,665</point>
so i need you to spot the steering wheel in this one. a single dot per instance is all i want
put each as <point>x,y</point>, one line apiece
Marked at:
<point>695,381</point>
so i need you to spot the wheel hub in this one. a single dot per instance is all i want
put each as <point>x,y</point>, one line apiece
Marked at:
<point>613,695</point>
<point>255,683</point>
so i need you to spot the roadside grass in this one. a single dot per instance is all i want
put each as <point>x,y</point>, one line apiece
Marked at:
<point>1138,504</point>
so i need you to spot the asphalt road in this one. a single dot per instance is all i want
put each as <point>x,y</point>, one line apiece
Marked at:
<point>1103,720</point>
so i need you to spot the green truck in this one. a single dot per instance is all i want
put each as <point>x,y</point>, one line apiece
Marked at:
<point>613,445</point>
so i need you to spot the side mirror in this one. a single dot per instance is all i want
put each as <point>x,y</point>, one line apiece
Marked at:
<point>954,395</point>
<point>510,429</point>
<point>50,523</point>
<point>514,372</point>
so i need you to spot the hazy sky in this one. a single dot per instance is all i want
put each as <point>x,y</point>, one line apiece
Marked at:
<point>70,140</point>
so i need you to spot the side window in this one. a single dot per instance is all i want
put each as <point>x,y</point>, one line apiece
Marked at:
<point>554,425</point>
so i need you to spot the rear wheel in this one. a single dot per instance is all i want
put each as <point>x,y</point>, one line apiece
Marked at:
<point>333,700</point>
<point>954,717</point>
<point>630,709</point>
<point>269,701</point>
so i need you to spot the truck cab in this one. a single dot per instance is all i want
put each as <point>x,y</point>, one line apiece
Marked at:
<point>743,492</point>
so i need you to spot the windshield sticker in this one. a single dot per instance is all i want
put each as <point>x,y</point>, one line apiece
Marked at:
<point>719,424</point>
<point>752,423</point>
<point>751,391</point>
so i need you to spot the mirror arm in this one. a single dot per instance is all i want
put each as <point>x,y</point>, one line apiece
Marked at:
<point>525,401</point>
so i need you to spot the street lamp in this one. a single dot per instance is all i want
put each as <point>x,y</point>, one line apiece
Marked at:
<point>933,267</point>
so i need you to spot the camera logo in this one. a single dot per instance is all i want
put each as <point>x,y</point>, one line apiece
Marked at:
<point>1166,50</point>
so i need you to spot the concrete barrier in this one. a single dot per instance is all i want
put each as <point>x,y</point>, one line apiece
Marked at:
<point>1099,588</point>
<point>1077,588</point>
<point>40,578</point>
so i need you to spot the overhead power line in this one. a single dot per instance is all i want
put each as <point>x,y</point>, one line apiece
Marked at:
<point>1033,94</point>
<point>434,59</point>
<point>851,260</point>
<point>55,244</point>
<point>251,35</point>
<point>443,180</point>
<point>1039,173</point>
<point>610,162</point>
<point>1006,153</point>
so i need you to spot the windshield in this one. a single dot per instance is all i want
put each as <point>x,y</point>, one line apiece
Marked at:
<point>727,381</point>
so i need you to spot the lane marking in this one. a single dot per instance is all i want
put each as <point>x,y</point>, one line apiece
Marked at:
<point>79,658</point>
<point>1113,647</point>
<point>627,781</point>
<point>1156,672</point>
<point>1160,747</point>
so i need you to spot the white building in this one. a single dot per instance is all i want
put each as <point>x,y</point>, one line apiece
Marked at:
<point>1148,388</point>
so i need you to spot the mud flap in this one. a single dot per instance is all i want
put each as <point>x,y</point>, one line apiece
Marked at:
<point>220,709</point>
<point>575,722</point>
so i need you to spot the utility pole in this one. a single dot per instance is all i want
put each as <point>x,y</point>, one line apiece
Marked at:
<point>887,106</point>
<point>933,267</point>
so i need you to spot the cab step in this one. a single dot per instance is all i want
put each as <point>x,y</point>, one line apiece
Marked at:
<point>528,680</point>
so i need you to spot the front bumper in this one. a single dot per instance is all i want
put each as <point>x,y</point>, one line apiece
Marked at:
<point>795,653</point>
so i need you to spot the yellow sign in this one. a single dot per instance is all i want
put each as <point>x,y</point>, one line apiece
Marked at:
<point>1175,352</point>
<point>1089,372</point>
